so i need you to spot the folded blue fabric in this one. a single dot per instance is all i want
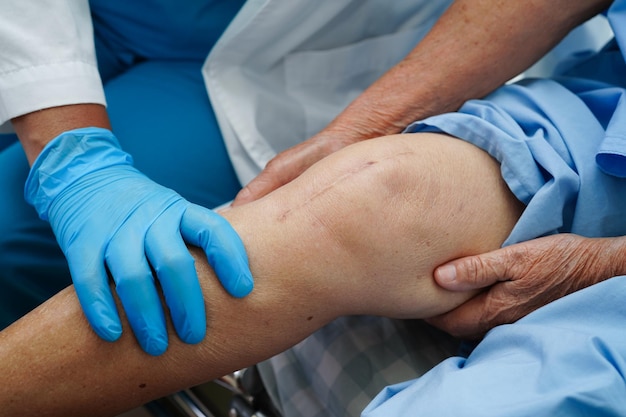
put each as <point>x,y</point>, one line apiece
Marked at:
<point>547,136</point>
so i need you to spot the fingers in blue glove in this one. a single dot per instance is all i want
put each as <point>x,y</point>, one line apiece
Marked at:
<point>85,185</point>
<point>136,289</point>
<point>94,293</point>
<point>175,269</point>
<point>223,247</point>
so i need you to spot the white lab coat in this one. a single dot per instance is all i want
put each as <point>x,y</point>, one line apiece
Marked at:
<point>47,56</point>
<point>281,71</point>
<point>285,68</point>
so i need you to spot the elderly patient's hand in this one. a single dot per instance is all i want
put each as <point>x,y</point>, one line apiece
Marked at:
<point>523,277</point>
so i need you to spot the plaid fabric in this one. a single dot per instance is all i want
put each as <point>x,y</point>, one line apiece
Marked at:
<point>339,369</point>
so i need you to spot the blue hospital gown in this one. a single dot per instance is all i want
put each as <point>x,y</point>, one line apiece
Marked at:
<point>562,148</point>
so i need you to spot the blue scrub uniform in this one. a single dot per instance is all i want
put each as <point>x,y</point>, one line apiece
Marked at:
<point>150,55</point>
<point>562,148</point>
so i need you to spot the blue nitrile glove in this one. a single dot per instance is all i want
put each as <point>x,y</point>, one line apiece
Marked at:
<point>106,214</point>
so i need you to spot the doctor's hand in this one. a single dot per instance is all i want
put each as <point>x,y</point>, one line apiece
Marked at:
<point>520,278</point>
<point>109,218</point>
<point>289,164</point>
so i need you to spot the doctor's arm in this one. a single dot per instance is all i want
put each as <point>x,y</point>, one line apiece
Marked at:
<point>50,81</point>
<point>100,208</point>
<point>476,46</point>
<point>358,233</point>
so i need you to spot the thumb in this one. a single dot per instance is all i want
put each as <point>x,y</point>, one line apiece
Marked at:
<point>278,172</point>
<point>283,168</point>
<point>256,189</point>
<point>474,272</point>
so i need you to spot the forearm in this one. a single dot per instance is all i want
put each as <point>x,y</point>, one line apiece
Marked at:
<point>49,71</point>
<point>48,57</point>
<point>596,259</point>
<point>358,233</point>
<point>38,128</point>
<point>476,46</point>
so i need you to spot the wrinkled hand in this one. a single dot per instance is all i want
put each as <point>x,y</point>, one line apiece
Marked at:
<point>523,277</point>
<point>110,218</point>
<point>289,164</point>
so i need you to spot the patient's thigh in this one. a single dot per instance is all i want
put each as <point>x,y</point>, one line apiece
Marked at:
<point>430,185</point>
<point>401,205</point>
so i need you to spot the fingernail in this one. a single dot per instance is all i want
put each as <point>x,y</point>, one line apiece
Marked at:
<point>111,333</point>
<point>191,332</point>
<point>108,329</point>
<point>244,286</point>
<point>243,194</point>
<point>155,345</point>
<point>446,274</point>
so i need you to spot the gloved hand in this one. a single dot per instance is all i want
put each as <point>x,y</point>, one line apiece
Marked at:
<point>109,217</point>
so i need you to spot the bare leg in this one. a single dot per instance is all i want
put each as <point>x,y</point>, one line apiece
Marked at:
<point>359,232</point>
